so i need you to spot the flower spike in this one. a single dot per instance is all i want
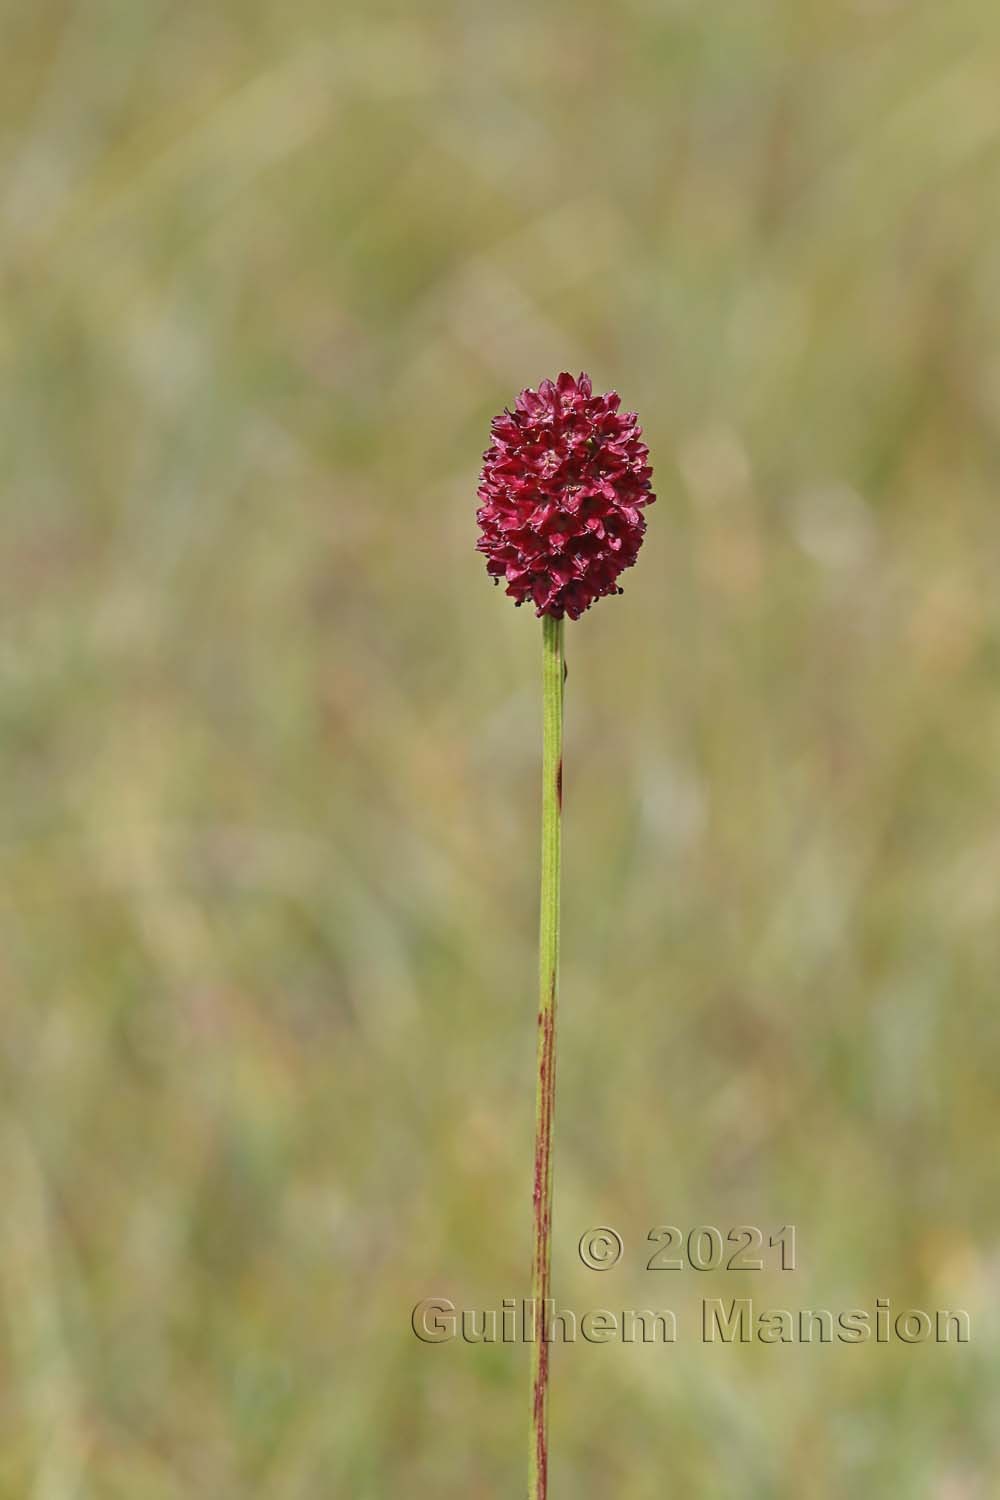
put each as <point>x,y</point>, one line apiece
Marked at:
<point>561,495</point>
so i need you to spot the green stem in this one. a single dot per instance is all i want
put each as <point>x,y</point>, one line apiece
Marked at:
<point>553,672</point>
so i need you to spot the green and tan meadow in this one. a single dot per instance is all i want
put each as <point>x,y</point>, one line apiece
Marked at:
<point>270,741</point>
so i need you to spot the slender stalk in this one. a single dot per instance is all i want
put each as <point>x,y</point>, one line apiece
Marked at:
<point>553,671</point>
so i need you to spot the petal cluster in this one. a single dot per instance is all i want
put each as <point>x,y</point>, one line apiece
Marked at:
<point>561,495</point>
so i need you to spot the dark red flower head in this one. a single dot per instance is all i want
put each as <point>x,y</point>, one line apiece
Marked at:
<point>562,488</point>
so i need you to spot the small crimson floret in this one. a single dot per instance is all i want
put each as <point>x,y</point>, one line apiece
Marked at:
<point>562,489</point>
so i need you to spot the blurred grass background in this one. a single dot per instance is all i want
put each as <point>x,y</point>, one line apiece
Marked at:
<point>270,740</point>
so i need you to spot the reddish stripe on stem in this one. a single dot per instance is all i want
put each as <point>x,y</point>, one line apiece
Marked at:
<point>541,1278</point>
